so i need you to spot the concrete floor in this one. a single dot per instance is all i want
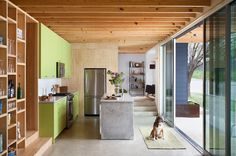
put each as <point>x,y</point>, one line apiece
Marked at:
<point>83,139</point>
<point>193,127</point>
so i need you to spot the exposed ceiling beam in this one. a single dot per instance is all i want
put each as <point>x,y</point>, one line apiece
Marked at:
<point>114,32</point>
<point>116,3</point>
<point>136,25</point>
<point>39,9</point>
<point>113,15</point>
<point>68,26</point>
<point>135,49</point>
<point>111,24</point>
<point>113,29</point>
<point>56,19</point>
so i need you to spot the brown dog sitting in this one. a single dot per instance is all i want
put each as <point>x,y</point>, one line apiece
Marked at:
<point>157,130</point>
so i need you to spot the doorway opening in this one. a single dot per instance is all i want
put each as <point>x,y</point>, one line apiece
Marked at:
<point>189,84</point>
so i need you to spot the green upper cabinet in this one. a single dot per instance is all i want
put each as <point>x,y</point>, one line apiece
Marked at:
<point>53,48</point>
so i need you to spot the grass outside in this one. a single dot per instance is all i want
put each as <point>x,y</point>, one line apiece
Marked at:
<point>198,74</point>
<point>197,98</point>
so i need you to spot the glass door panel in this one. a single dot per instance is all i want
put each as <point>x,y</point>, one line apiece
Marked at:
<point>233,78</point>
<point>215,76</point>
<point>168,50</point>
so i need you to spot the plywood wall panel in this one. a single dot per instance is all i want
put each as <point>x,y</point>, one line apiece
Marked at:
<point>90,55</point>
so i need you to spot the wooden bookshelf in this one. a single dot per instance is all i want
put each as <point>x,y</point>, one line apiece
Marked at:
<point>15,27</point>
<point>136,78</point>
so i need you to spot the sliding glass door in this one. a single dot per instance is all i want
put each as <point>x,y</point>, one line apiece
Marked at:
<point>215,83</point>
<point>168,53</point>
<point>233,78</point>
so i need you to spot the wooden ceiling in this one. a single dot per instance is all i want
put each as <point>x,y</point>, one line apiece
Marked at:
<point>193,36</point>
<point>137,25</point>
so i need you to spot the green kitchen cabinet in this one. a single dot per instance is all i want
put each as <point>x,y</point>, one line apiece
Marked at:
<point>52,118</point>
<point>53,49</point>
<point>75,105</point>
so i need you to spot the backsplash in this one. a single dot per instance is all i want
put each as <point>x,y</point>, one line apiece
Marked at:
<point>45,85</point>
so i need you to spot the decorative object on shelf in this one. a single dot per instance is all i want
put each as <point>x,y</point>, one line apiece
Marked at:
<point>11,68</point>
<point>11,89</point>
<point>1,40</point>
<point>11,46</point>
<point>2,90</point>
<point>2,93</point>
<point>116,80</point>
<point>1,107</point>
<point>19,33</point>
<point>11,105</point>
<point>11,151</point>
<point>20,58</point>
<point>2,67</point>
<point>9,119</point>
<point>1,142</point>
<point>152,66</point>
<point>136,78</point>
<point>19,92</point>
<point>18,130</point>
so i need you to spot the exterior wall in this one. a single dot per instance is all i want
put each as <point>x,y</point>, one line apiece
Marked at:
<point>124,65</point>
<point>181,73</point>
<point>91,55</point>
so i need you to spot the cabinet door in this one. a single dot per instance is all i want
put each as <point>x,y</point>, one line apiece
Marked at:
<point>47,53</point>
<point>75,105</point>
<point>46,121</point>
<point>59,117</point>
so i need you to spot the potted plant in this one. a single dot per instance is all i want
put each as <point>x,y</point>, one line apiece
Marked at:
<point>116,79</point>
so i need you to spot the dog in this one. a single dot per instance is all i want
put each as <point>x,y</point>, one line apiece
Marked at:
<point>157,130</point>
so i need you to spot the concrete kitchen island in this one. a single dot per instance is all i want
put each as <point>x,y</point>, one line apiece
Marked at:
<point>116,118</point>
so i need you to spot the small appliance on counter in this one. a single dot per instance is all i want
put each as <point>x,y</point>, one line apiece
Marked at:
<point>55,89</point>
<point>63,89</point>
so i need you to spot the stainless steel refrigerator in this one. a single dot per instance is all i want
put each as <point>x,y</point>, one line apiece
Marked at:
<point>94,88</point>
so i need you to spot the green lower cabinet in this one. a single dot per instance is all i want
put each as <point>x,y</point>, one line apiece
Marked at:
<point>52,118</point>
<point>59,117</point>
<point>76,105</point>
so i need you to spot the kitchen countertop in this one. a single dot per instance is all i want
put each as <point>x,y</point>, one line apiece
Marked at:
<point>124,99</point>
<point>52,100</point>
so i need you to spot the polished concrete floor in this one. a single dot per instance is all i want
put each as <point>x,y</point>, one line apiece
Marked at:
<point>193,127</point>
<point>83,139</point>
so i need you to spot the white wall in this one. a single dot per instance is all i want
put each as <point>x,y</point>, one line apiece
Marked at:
<point>46,84</point>
<point>153,75</point>
<point>123,65</point>
<point>150,57</point>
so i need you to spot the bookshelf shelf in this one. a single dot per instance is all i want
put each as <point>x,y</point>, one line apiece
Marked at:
<point>136,78</point>
<point>16,29</point>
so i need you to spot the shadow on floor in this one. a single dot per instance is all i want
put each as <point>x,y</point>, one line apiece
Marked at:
<point>79,129</point>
